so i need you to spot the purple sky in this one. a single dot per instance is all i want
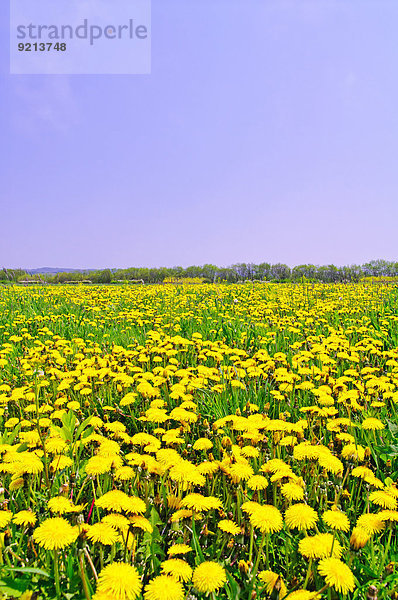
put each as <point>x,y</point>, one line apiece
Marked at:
<point>267,131</point>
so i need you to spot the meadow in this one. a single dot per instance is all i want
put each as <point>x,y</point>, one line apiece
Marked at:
<point>223,441</point>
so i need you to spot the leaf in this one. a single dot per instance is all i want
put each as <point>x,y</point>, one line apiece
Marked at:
<point>154,518</point>
<point>233,591</point>
<point>31,570</point>
<point>82,426</point>
<point>392,427</point>
<point>13,435</point>
<point>22,447</point>
<point>69,421</point>
<point>12,587</point>
<point>196,544</point>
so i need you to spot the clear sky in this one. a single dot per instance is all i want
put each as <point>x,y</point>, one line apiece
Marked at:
<point>267,131</point>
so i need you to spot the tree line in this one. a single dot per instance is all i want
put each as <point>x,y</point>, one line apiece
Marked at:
<point>211,273</point>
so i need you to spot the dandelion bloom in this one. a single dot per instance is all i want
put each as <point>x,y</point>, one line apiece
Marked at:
<point>362,472</point>
<point>141,523</point>
<point>331,463</point>
<point>61,462</point>
<point>55,533</point>
<point>371,522</point>
<point>183,514</point>
<point>240,471</point>
<point>62,505</point>
<point>337,574</point>
<point>359,538</point>
<point>292,491</point>
<point>209,576</point>
<point>389,515</point>
<point>98,465</point>
<point>336,520</point>
<point>229,526</point>
<point>257,482</point>
<point>179,549</point>
<point>203,444</point>
<point>124,473</point>
<point>273,581</point>
<point>267,518</point>
<point>320,546</point>
<point>117,520</point>
<point>384,499</point>
<point>118,581</point>
<point>300,516</point>
<point>250,506</point>
<point>177,568</point>
<point>5,517</point>
<point>116,500</point>
<point>302,595</point>
<point>103,533</point>
<point>372,424</point>
<point>24,517</point>
<point>200,503</point>
<point>164,587</point>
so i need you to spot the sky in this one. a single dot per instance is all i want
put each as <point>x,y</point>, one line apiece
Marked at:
<point>267,131</point>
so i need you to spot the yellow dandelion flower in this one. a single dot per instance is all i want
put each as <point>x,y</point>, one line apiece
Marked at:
<point>337,574</point>
<point>98,465</point>
<point>273,581</point>
<point>55,445</point>
<point>267,518</point>
<point>118,581</point>
<point>372,424</point>
<point>176,567</point>
<point>181,514</point>
<point>179,549</point>
<point>62,505</point>
<point>250,452</point>
<point>302,595</point>
<point>208,577</point>
<point>116,500</point>
<point>371,522</point>
<point>273,465</point>
<point>383,499</point>
<point>103,533</point>
<point>257,482</point>
<point>250,506</point>
<point>5,517</point>
<point>24,517</point>
<point>208,467</point>
<point>331,463</point>
<point>240,471</point>
<point>124,473</point>
<point>203,444</point>
<point>336,520</point>
<point>228,526</point>
<point>116,520</point>
<point>164,587</point>
<point>300,516</point>
<point>359,538</point>
<point>320,546</point>
<point>353,452</point>
<point>141,523</point>
<point>362,472</point>
<point>200,503</point>
<point>292,491</point>
<point>388,515</point>
<point>55,533</point>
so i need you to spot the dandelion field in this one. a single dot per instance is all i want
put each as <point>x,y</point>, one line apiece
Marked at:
<point>224,441</point>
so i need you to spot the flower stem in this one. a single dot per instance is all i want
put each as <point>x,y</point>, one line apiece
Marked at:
<point>56,574</point>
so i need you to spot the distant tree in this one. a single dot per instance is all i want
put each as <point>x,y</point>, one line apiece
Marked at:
<point>280,272</point>
<point>104,276</point>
